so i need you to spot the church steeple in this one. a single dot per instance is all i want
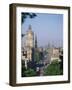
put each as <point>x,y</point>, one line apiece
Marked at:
<point>30,29</point>
<point>35,41</point>
<point>30,37</point>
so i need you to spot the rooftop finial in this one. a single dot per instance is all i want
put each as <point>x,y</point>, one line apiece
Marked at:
<point>30,27</point>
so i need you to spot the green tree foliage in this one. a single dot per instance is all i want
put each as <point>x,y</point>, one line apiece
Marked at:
<point>53,69</point>
<point>37,56</point>
<point>27,72</point>
<point>23,71</point>
<point>30,72</point>
<point>25,15</point>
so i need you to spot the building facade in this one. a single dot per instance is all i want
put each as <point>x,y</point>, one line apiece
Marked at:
<point>29,43</point>
<point>27,50</point>
<point>54,54</point>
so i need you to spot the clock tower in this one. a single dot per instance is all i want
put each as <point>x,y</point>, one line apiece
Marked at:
<point>29,42</point>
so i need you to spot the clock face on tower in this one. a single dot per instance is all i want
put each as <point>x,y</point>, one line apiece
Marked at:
<point>30,38</point>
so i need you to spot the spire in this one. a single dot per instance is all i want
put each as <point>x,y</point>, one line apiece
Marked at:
<point>30,27</point>
<point>35,41</point>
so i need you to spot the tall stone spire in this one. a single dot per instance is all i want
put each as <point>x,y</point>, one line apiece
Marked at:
<point>30,29</point>
<point>35,41</point>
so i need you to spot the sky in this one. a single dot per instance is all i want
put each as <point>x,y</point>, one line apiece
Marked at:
<point>47,27</point>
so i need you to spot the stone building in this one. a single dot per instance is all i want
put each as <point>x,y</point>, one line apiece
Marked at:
<point>53,54</point>
<point>27,50</point>
<point>29,43</point>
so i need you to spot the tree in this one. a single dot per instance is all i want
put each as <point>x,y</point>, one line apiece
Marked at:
<point>53,69</point>
<point>61,58</point>
<point>37,56</point>
<point>28,72</point>
<point>25,15</point>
